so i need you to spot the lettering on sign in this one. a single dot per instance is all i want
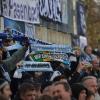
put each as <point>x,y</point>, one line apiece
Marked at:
<point>22,10</point>
<point>50,9</point>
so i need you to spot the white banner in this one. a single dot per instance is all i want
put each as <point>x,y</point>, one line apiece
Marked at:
<point>35,66</point>
<point>53,48</point>
<point>83,42</point>
<point>21,10</point>
<point>50,9</point>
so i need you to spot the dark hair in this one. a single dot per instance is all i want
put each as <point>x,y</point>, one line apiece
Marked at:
<point>65,84</point>
<point>1,90</point>
<point>45,85</point>
<point>4,53</point>
<point>58,78</point>
<point>99,90</point>
<point>86,47</point>
<point>45,97</point>
<point>25,87</point>
<point>89,94</point>
<point>1,49</point>
<point>76,89</point>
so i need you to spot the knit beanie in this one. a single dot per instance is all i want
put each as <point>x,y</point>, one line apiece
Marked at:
<point>3,83</point>
<point>76,89</point>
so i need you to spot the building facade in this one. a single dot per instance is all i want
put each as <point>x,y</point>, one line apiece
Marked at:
<point>51,28</point>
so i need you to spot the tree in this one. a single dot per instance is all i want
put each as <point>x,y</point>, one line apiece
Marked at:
<point>93,22</point>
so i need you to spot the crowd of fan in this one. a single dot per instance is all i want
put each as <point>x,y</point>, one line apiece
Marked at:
<point>81,82</point>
